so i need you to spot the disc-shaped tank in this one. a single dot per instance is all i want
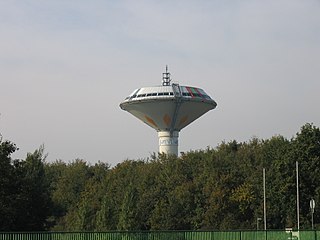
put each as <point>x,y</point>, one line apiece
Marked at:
<point>168,109</point>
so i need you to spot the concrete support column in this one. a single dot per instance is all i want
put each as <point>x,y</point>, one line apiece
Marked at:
<point>168,142</point>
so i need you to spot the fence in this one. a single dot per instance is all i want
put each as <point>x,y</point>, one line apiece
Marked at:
<point>164,235</point>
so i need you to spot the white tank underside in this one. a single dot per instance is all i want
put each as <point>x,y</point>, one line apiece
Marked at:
<point>168,109</point>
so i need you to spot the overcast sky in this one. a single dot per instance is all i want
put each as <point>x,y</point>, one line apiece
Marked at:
<point>65,65</point>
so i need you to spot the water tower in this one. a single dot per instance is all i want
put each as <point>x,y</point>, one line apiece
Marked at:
<point>168,108</point>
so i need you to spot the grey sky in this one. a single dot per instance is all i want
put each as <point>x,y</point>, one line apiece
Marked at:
<point>66,65</point>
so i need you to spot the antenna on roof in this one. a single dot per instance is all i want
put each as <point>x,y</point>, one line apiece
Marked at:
<point>166,78</point>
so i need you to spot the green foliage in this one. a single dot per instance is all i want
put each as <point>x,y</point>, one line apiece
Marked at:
<point>24,195</point>
<point>35,207</point>
<point>8,185</point>
<point>128,210</point>
<point>76,193</point>
<point>306,150</point>
<point>216,189</point>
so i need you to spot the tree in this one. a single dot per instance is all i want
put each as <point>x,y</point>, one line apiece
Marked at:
<point>217,188</point>
<point>82,217</point>
<point>106,215</point>
<point>24,196</point>
<point>34,193</point>
<point>128,212</point>
<point>306,150</point>
<point>67,190</point>
<point>280,183</point>
<point>7,186</point>
<point>175,200</point>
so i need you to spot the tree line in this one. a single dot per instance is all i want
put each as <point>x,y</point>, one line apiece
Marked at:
<point>217,188</point>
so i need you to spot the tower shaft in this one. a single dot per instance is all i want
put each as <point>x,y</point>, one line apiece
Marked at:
<point>168,142</point>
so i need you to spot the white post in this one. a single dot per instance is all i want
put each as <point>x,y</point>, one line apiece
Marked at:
<point>168,142</point>
<point>312,206</point>
<point>298,216</point>
<point>264,200</point>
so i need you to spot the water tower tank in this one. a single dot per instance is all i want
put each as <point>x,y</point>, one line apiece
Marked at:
<point>168,109</point>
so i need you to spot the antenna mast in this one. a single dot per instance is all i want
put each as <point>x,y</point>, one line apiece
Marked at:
<point>166,78</point>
